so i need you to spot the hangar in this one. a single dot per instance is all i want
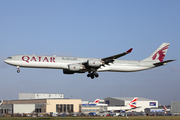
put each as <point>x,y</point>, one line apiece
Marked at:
<point>115,103</point>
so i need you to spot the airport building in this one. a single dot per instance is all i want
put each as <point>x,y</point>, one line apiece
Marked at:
<point>41,105</point>
<point>175,107</point>
<point>46,103</point>
<point>115,103</point>
<point>41,102</point>
<point>88,107</point>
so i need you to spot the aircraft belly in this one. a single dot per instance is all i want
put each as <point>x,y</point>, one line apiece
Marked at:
<point>128,68</point>
<point>123,68</point>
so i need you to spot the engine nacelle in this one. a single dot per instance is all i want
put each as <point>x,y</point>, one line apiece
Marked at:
<point>94,63</point>
<point>75,67</point>
<point>65,71</point>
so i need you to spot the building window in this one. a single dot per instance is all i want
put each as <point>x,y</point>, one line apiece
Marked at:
<point>107,102</point>
<point>68,108</point>
<point>60,107</point>
<point>37,110</point>
<point>64,108</point>
<point>57,108</point>
<point>79,107</point>
<point>72,108</point>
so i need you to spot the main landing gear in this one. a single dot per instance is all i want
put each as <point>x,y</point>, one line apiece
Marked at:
<point>18,69</point>
<point>92,74</point>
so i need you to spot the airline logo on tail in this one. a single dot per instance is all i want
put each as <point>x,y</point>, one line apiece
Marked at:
<point>133,102</point>
<point>164,108</point>
<point>160,54</point>
<point>97,101</point>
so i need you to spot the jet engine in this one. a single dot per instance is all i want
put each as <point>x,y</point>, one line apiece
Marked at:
<point>65,71</point>
<point>75,67</point>
<point>95,63</point>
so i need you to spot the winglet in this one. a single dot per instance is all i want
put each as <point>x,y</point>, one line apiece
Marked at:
<point>129,50</point>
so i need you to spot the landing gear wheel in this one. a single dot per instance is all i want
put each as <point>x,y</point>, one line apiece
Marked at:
<point>92,76</point>
<point>88,75</point>
<point>96,75</point>
<point>18,69</point>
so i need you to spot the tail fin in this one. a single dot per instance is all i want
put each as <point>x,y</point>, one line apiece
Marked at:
<point>159,54</point>
<point>1,102</point>
<point>133,102</point>
<point>97,101</point>
<point>165,108</point>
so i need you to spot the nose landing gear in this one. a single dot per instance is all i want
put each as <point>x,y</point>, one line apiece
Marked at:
<point>18,69</point>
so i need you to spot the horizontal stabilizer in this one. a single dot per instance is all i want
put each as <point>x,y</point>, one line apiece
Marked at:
<point>162,63</point>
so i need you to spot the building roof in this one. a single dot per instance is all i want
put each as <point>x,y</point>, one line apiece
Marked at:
<point>130,98</point>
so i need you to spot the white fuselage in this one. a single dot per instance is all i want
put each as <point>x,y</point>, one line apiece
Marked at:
<point>54,62</point>
<point>124,108</point>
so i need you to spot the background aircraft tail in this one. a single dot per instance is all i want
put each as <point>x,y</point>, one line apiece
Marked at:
<point>132,104</point>
<point>159,54</point>
<point>97,101</point>
<point>1,102</point>
<point>164,108</point>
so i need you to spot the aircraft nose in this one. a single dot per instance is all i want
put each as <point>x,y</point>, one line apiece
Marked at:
<point>5,60</point>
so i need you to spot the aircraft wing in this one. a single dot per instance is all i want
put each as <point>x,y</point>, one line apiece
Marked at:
<point>162,63</point>
<point>111,58</point>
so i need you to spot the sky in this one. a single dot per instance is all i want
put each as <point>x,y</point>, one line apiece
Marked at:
<point>90,28</point>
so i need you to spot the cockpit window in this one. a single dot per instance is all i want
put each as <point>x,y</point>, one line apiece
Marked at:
<point>9,57</point>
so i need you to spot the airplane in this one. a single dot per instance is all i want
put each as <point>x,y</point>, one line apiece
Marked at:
<point>165,109</point>
<point>95,102</point>
<point>71,65</point>
<point>130,106</point>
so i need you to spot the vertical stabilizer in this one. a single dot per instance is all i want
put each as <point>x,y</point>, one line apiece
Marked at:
<point>133,102</point>
<point>159,54</point>
<point>97,101</point>
<point>164,108</point>
<point>1,102</point>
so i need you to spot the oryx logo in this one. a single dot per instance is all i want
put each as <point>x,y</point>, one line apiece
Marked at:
<point>160,54</point>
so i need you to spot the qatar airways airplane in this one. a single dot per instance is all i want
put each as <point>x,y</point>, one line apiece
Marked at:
<point>71,65</point>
